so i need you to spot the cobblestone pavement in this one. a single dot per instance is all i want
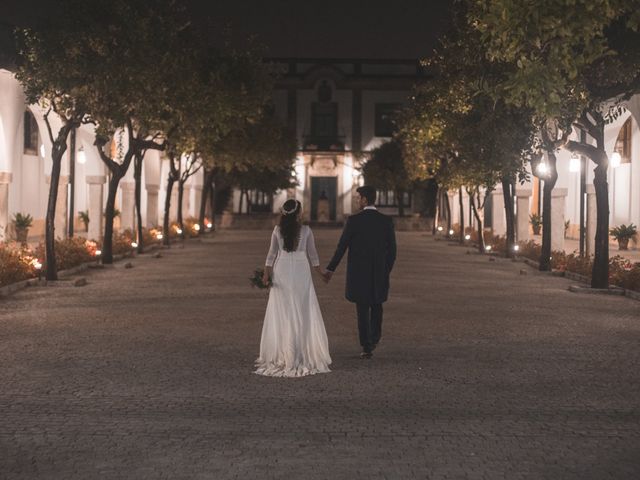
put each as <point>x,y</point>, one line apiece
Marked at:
<point>482,373</point>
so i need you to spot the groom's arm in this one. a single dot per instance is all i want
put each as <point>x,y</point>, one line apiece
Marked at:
<point>391,245</point>
<point>343,244</point>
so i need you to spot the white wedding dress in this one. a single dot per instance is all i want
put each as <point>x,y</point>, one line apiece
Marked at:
<point>294,340</point>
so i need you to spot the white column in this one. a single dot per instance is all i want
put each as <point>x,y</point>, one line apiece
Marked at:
<point>522,215</point>
<point>152,205</point>
<point>95,205</point>
<point>592,214</point>
<point>5,181</point>
<point>60,224</point>
<point>127,214</point>
<point>186,202</point>
<point>558,201</point>
<point>499,223</point>
<point>453,206</point>
<point>197,200</point>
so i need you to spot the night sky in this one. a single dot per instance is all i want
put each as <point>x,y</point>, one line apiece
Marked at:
<point>306,28</point>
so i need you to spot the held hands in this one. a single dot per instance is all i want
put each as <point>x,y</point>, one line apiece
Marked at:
<point>325,274</point>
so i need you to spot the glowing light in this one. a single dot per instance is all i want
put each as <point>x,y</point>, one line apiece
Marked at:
<point>542,168</point>
<point>35,263</point>
<point>134,244</point>
<point>159,236</point>
<point>451,232</point>
<point>616,160</point>
<point>440,229</point>
<point>196,227</point>
<point>516,248</point>
<point>179,230</point>
<point>81,157</point>
<point>488,248</point>
<point>42,150</point>
<point>209,225</point>
<point>98,253</point>
<point>574,163</point>
<point>467,237</point>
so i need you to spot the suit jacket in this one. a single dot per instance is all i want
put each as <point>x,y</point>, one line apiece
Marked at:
<point>370,238</point>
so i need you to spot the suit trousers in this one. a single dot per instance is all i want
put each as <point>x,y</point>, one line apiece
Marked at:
<point>369,324</point>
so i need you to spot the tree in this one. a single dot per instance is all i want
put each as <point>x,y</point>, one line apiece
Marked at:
<point>456,129</point>
<point>53,71</point>
<point>259,156</point>
<point>556,48</point>
<point>139,48</point>
<point>386,170</point>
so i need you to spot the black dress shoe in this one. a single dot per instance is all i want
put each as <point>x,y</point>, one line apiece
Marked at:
<point>366,355</point>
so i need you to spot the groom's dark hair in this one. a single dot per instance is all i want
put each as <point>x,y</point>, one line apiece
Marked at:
<point>368,192</point>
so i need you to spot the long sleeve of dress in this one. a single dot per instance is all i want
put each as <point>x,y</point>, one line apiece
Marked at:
<point>273,249</point>
<point>312,253</point>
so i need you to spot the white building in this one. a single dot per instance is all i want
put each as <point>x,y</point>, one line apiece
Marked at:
<point>340,109</point>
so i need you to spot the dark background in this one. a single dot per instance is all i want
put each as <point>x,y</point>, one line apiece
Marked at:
<point>302,28</point>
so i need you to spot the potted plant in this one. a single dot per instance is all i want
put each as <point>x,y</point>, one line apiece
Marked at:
<point>84,218</point>
<point>536,223</point>
<point>21,224</point>
<point>623,233</point>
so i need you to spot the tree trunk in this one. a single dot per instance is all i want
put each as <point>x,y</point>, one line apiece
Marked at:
<point>548,184</point>
<point>474,200</point>
<point>212,203</point>
<point>507,194</point>
<point>107,243</point>
<point>180,198</point>
<point>461,204</point>
<point>447,208</point>
<point>137,175</point>
<point>59,146</point>
<point>50,234</point>
<point>600,272</point>
<point>436,213</point>
<point>167,206</point>
<point>206,188</point>
<point>597,153</point>
<point>399,195</point>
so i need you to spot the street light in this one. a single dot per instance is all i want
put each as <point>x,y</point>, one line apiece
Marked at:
<point>574,163</point>
<point>81,156</point>
<point>616,159</point>
<point>542,169</point>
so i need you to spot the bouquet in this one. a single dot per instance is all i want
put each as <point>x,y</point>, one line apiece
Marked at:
<point>256,279</point>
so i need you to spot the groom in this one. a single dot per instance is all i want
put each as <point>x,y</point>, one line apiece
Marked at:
<point>371,241</point>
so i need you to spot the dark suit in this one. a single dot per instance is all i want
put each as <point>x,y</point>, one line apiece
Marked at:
<point>370,238</point>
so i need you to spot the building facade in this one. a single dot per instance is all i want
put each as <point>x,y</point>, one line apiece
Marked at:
<point>340,110</point>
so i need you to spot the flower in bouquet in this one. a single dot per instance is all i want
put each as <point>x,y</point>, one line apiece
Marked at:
<point>256,279</point>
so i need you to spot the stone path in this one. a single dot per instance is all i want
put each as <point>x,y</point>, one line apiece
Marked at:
<point>482,373</point>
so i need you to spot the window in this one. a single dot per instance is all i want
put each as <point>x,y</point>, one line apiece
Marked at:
<point>388,198</point>
<point>384,125</point>
<point>623,143</point>
<point>324,119</point>
<point>259,201</point>
<point>30,134</point>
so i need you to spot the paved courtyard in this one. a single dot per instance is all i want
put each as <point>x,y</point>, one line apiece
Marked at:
<point>482,373</point>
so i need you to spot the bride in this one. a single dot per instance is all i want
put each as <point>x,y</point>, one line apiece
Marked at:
<point>294,340</point>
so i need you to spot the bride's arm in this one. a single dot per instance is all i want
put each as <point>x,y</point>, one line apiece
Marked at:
<point>271,257</point>
<point>312,253</point>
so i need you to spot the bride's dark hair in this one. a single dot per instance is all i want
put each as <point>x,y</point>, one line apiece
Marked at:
<point>289,224</point>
